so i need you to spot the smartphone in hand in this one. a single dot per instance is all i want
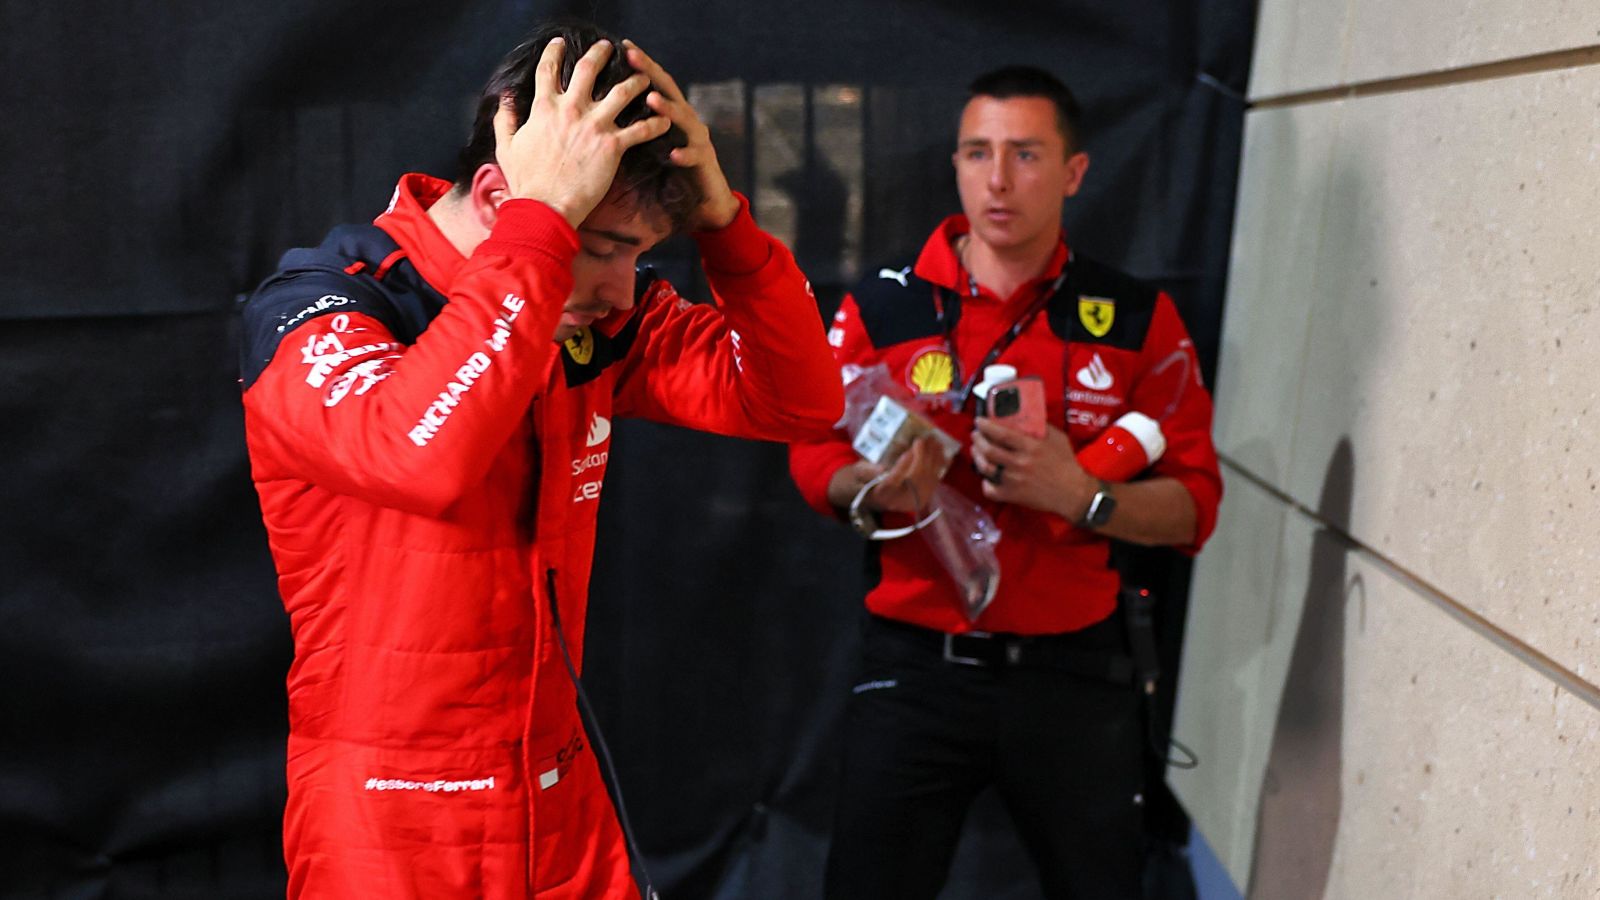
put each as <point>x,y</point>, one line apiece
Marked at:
<point>1020,402</point>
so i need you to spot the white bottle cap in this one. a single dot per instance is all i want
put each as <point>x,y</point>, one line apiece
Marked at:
<point>996,373</point>
<point>999,372</point>
<point>1147,432</point>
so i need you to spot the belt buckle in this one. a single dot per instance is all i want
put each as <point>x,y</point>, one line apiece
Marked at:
<point>950,656</point>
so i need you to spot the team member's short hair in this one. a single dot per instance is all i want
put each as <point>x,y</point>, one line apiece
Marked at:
<point>1030,81</point>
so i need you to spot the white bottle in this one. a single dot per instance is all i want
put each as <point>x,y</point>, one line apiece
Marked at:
<point>996,374</point>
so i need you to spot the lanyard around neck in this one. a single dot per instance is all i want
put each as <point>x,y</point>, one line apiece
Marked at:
<point>947,309</point>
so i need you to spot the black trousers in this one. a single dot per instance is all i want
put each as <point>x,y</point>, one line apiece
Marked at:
<point>925,735</point>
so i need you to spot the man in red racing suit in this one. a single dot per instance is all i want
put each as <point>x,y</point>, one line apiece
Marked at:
<point>429,463</point>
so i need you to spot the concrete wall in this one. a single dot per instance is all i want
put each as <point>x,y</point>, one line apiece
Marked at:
<point>1392,672</point>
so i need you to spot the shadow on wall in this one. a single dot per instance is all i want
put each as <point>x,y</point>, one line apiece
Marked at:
<point>1356,288</point>
<point>1298,818</point>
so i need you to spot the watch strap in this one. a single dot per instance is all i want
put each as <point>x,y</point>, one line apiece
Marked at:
<point>1101,505</point>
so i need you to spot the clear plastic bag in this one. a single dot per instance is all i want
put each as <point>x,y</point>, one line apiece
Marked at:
<point>964,538</point>
<point>882,418</point>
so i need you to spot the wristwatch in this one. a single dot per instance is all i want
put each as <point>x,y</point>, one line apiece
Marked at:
<point>1101,506</point>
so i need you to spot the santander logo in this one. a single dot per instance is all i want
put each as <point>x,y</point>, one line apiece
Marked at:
<point>1095,376</point>
<point>599,430</point>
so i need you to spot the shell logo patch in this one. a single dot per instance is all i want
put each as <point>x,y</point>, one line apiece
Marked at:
<point>1097,314</point>
<point>932,372</point>
<point>580,346</point>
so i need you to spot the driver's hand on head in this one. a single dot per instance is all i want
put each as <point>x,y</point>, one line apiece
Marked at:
<point>567,153</point>
<point>718,205</point>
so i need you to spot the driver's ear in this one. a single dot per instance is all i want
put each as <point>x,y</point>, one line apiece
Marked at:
<point>489,190</point>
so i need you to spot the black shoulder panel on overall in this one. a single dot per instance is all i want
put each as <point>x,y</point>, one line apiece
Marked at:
<point>339,276</point>
<point>896,306</point>
<point>1101,305</point>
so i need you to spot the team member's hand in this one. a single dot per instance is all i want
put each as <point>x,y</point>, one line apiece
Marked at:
<point>1042,473</point>
<point>908,487</point>
<point>719,205</point>
<point>566,154</point>
<point>912,479</point>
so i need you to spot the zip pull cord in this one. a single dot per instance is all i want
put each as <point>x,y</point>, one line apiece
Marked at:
<point>587,710</point>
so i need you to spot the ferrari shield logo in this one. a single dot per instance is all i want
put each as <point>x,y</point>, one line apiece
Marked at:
<point>1097,314</point>
<point>581,346</point>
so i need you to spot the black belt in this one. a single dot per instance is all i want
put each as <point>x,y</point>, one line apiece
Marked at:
<point>1082,653</point>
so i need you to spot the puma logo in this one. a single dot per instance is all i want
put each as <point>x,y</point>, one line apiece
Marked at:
<point>899,276</point>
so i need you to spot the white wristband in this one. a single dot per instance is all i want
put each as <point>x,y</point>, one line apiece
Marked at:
<point>863,520</point>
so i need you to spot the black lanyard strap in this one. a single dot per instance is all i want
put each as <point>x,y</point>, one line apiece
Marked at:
<point>947,307</point>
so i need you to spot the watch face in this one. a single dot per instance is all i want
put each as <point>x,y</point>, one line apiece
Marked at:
<point>1100,508</point>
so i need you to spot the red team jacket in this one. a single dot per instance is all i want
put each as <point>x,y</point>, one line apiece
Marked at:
<point>1105,345</point>
<point>428,460</point>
